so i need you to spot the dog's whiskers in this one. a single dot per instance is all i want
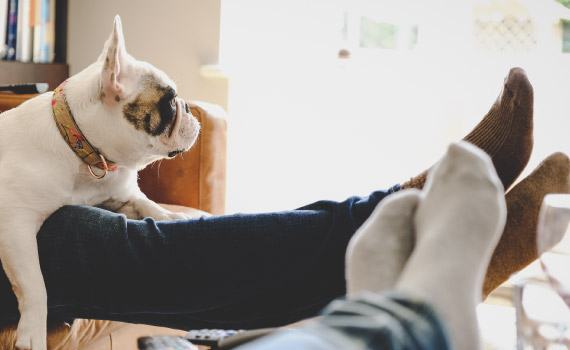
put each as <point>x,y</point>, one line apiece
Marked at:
<point>158,170</point>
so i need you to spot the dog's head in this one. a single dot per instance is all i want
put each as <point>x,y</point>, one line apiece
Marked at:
<point>152,115</point>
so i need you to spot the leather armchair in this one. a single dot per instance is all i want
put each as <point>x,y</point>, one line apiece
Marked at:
<point>193,184</point>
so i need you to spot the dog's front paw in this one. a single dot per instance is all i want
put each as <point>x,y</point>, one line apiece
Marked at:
<point>172,216</point>
<point>31,333</point>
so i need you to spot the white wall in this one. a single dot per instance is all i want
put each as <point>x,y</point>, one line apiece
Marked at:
<point>178,36</point>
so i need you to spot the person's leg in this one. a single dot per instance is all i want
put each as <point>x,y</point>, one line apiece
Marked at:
<point>376,255</point>
<point>378,251</point>
<point>387,321</point>
<point>505,132</point>
<point>458,223</point>
<point>457,220</point>
<point>517,246</point>
<point>505,135</point>
<point>235,271</point>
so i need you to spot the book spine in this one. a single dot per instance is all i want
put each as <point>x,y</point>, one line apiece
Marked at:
<point>27,33</point>
<point>43,26</point>
<point>50,32</point>
<point>19,30</point>
<point>3,25</point>
<point>37,41</point>
<point>23,42</point>
<point>31,21</point>
<point>12,30</point>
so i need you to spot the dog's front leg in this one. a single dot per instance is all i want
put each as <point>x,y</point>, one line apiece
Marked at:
<point>20,260</point>
<point>139,207</point>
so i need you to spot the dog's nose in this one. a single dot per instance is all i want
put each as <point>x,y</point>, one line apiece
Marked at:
<point>187,107</point>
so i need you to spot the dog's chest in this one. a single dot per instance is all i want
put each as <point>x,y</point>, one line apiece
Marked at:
<point>87,190</point>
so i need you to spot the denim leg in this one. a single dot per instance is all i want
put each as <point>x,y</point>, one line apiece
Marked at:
<point>389,321</point>
<point>233,271</point>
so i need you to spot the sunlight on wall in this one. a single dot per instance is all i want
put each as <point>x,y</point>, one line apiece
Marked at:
<point>306,125</point>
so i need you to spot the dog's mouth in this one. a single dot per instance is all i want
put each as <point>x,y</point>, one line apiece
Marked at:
<point>176,120</point>
<point>188,136</point>
<point>175,153</point>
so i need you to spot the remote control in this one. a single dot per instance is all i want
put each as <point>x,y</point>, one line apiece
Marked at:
<point>215,339</point>
<point>223,339</point>
<point>164,342</point>
<point>29,88</point>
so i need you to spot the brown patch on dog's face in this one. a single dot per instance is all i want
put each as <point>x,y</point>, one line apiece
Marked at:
<point>154,109</point>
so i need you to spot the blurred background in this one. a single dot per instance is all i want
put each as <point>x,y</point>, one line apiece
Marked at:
<point>328,99</point>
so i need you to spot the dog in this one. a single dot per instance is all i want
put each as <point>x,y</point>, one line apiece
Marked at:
<point>83,144</point>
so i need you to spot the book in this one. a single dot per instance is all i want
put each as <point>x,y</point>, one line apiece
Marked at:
<point>50,32</point>
<point>44,13</point>
<point>44,31</point>
<point>24,32</point>
<point>3,24</point>
<point>37,29</point>
<point>12,30</point>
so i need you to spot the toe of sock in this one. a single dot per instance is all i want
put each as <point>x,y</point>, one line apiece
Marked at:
<point>403,201</point>
<point>556,171</point>
<point>466,149</point>
<point>518,87</point>
<point>559,162</point>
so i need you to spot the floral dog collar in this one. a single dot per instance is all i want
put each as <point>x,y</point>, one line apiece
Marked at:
<point>74,137</point>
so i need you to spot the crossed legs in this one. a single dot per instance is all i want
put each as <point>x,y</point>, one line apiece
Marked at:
<point>414,269</point>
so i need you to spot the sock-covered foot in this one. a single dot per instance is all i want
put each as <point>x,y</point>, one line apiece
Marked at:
<point>378,251</point>
<point>505,133</point>
<point>458,221</point>
<point>517,246</point>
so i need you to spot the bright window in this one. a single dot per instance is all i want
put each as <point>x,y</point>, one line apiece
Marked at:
<point>306,124</point>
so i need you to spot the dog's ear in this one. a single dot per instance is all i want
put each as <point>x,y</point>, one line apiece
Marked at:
<point>115,64</point>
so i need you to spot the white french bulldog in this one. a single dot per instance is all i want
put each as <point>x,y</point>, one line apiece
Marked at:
<point>126,115</point>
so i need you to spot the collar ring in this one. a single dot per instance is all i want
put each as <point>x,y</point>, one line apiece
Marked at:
<point>105,168</point>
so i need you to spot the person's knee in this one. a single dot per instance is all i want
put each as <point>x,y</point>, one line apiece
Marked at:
<point>72,219</point>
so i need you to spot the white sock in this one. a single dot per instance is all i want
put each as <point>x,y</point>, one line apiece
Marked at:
<point>458,222</point>
<point>378,251</point>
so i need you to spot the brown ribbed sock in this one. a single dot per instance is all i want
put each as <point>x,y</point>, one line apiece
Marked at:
<point>505,133</point>
<point>517,246</point>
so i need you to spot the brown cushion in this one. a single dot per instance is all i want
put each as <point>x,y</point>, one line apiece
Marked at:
<point>64,336</point>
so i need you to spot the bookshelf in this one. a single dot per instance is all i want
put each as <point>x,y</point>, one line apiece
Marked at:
<point>13,72</point>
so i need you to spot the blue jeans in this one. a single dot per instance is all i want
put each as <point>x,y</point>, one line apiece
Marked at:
<point>232,271</point>
<point>390,321</point>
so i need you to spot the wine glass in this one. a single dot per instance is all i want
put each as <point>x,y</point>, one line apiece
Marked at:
<point>553,242</point>
<point>543,301</point>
